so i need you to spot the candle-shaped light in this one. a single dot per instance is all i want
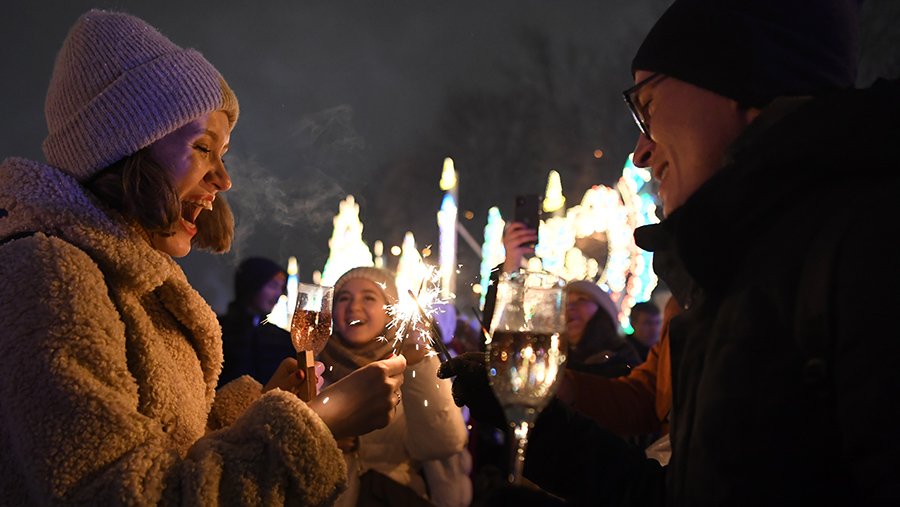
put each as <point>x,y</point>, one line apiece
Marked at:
<point>447,218</point>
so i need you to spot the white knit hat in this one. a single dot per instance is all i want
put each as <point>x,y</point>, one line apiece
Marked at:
<point>118,85</point>
<point>600,296</point>
<point>382,278</point>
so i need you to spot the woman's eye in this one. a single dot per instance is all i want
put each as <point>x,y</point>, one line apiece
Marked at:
<point>201,148</point>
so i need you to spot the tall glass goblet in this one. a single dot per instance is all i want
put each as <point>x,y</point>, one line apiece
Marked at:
<point>526,352</point>
<point>310,329</point>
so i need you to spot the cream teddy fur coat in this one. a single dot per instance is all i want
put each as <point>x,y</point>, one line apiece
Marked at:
<point>108,367</point>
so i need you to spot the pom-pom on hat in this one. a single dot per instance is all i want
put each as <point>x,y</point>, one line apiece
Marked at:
<point>252,273</point>
<point>753,51</point>
<point>382,278</point>
<point>597,294</point>
<point>117,86</point>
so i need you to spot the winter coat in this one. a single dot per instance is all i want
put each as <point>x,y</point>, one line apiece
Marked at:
<point>635,404</point>
<point>428,426</point>
<point>777,397</point>
<point>251,348</point>
<point>108,367</point>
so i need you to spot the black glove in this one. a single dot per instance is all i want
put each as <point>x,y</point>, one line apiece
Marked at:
<point>471,388</point>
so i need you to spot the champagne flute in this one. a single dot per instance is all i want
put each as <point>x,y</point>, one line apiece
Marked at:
<point>526,353</point>
<point>310,329</point>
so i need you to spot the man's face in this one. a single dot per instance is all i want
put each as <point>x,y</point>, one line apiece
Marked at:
<point>690,130</point>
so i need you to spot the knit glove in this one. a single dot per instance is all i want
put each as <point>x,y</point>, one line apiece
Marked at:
<point>471,387</point>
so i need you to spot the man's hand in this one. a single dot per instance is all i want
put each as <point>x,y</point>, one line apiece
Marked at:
<point>471,388</point>
<point>414,347</point>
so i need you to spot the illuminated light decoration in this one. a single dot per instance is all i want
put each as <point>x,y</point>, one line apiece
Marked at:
<point>448,175</point>
<point>346,247</point>
<point>411,269</point>
<point>638,199</point>
<point>553,196</point>
<point>283,310</point>
<point>492,251</point>
<point>447,218</point>
<point>378,251</point>
<point>605,219</point>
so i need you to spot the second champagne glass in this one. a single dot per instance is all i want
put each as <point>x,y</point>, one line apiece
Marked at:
<point>526,352</point>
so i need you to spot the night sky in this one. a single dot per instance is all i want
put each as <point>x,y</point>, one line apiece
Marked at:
<point>367,98</point>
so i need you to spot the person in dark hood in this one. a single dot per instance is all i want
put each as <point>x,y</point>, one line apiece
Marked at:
<point>251,345</point>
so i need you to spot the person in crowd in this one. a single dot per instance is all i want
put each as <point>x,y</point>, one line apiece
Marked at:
<point>636,406</point>
<point>109,359</point>
<point>251,345</point>
<point>646,325</point>
<point>421,455</point>
<point>750,120</point>
<point>592,332</point>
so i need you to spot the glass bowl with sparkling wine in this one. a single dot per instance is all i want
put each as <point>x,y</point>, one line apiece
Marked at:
<point>310,329</point>
<point>526,352</point>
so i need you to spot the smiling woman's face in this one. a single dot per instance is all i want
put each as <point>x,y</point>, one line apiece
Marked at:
<point>359,313</point>
<point>193,156</point>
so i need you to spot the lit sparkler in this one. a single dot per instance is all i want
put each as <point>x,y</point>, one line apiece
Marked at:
<point>416,311</point>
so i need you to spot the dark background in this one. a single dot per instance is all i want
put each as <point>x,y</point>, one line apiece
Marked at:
<point>366,99</point>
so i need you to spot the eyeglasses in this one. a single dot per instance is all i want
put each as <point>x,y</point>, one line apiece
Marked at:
<point>631,99</point>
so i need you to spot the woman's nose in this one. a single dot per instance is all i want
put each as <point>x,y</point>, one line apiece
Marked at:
<point>219,177</point>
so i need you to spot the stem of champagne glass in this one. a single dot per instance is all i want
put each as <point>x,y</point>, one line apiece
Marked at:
<point>519,433</point>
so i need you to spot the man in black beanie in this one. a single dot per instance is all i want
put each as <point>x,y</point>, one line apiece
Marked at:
<point>777,180</point>
<point>252,346</point>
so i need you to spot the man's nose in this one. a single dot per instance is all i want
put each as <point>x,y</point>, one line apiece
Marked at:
<point>643,151</point>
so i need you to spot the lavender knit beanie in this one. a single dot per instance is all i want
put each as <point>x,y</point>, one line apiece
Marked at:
<point>118,85</point>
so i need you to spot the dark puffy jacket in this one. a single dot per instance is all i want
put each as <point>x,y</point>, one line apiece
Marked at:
<point>777,398</point>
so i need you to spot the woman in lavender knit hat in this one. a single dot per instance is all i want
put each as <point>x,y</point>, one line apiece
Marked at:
<point>109,360</point>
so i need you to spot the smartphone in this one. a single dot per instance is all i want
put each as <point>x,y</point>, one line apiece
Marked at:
<point>528,211</point>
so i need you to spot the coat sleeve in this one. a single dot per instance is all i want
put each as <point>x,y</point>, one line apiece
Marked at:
<point>232,400</point>
<point>435,428</point>
<point>73,407</point>
<point>572,457</point>
<point>624,405</point>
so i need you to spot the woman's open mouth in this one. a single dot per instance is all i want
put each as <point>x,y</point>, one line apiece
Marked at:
<point>190,210</point>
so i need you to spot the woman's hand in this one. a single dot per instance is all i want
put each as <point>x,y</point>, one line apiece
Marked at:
<point>288,376</point>
<point>415,347</point>
<point>364,400</point>
<point>518,240</point>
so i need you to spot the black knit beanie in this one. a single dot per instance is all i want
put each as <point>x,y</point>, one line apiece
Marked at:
<point>251,275</point>
<point>755,50</point>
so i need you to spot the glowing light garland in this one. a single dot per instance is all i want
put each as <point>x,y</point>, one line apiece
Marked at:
<point>604,214</point>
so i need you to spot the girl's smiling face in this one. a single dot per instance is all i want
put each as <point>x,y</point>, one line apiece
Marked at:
<point>359,311</point>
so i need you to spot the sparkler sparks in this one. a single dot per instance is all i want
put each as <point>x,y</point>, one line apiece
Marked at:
<point>416,312</point>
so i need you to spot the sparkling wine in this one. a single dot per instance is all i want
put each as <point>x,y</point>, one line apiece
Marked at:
<point>523,369</point>
<point>310,329</point>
